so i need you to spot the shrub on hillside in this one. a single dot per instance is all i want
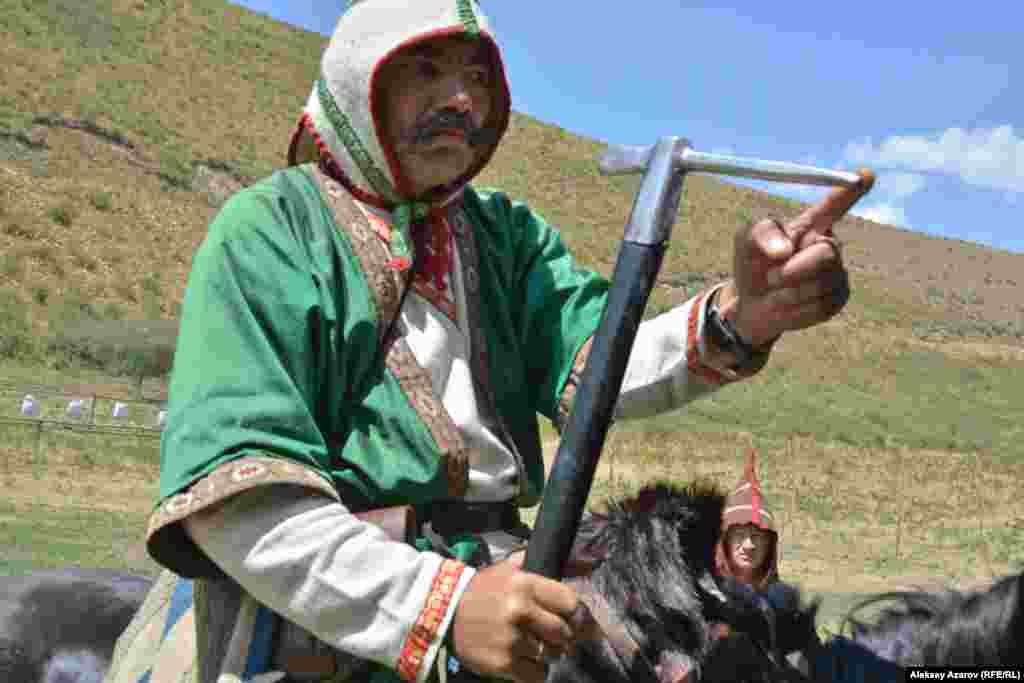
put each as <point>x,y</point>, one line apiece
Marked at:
<point>113,311</point>
<point>139,348</point>
<point>61,215</point>
<point>102,201</point>
<point>151,296</point>
<point>10,264</point>
<point>16,340</point>
<point>959,329</point>
<point>57,121</point>
<point>71,308</point>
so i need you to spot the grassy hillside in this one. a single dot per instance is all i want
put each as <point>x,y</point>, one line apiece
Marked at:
<point>125,123</point>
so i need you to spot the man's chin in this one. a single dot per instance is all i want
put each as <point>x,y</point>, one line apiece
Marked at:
<point>435,183</point>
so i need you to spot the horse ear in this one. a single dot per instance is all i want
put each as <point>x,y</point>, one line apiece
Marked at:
<point>707,581</point>
<point>643,503</point>
<point>1018,612</point>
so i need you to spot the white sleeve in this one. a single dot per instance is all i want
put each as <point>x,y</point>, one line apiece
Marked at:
<point>658,377</point>
<point>342,579</point>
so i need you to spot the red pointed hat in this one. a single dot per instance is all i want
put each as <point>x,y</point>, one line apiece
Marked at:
<point>745,505</point>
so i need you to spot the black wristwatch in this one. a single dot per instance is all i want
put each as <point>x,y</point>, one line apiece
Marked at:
<point>728,339</point>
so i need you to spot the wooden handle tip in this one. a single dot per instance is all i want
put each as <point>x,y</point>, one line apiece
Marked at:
<point>867,178</point>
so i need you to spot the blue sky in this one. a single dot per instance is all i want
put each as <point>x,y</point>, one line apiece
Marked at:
<point>922,93</point>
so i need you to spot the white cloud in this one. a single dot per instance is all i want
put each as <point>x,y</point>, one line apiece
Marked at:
<point>888,214</point>
<point>899,185</point>
<point>986,157</point>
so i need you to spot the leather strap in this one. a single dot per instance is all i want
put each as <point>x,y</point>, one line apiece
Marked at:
<point>452,517</point>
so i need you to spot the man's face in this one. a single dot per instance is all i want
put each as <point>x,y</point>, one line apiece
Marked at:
<point>748,546</point>
<point>429,94</point>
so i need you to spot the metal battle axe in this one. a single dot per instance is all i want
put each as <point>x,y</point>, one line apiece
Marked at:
<point>664,166</point>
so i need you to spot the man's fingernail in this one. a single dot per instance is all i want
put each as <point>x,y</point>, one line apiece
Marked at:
<point>867,179</point>
<point>774,276</point>
<point>777,244</point>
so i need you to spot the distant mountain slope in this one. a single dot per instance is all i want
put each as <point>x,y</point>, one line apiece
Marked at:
<point>125,123</point>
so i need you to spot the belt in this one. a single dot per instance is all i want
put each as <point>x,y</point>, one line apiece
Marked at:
<point>304,658</point>
<point>451,517</point>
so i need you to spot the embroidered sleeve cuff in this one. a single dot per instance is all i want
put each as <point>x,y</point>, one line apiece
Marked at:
<point>713,366</point>
<point>425,636</point>
<point>572,384</point>
<point>697,353</point>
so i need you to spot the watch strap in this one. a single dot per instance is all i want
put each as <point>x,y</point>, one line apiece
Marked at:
<point>729,340</point>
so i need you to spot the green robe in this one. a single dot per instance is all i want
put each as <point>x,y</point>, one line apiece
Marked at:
<point>278,314</point>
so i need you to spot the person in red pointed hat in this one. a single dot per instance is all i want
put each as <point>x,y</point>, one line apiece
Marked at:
<point>748,550</point>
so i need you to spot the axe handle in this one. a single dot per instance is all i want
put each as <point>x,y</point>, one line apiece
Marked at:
<point>565,495</point>
<point>643,245</point>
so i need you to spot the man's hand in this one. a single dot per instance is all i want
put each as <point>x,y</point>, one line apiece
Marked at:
<point>788,277</point>
<point>509,622</point>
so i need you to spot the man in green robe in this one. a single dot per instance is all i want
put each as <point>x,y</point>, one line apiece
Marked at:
<point>310,384</point>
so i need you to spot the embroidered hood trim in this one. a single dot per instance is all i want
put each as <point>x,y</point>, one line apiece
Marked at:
<point>340,125</point>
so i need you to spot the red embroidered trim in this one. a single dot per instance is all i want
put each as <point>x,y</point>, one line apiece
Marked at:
<point>437,261</point>
<point>438,299</point>
<point>693,361</point>
<point>424,631</point>
<point>434,246</point>
<point>437,250</point>
<point>379,226</point>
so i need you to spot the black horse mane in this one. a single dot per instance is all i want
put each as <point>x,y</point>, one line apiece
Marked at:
<point>974,628</point>
<point>65,625</point>
<point>658,577</point>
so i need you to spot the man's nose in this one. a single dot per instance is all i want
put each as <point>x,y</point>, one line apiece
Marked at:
<point>455,94</point>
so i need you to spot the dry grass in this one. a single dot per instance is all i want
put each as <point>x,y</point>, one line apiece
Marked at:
<point>838,506</point>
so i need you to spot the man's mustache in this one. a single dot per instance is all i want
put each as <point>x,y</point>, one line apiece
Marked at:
<point>448,120</point>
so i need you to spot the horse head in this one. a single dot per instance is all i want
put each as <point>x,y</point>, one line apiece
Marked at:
<point>656,582</point>
<point>951,628</point>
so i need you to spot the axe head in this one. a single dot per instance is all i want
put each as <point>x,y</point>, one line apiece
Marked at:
<point>622,159</point>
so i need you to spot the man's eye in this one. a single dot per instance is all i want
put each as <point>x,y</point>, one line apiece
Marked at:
<point>426,69</point>
<point>481,76</point>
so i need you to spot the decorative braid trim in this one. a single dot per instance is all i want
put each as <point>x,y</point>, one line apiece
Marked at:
<point>468,17</point>
<point>231,478</point>
<point>436,298</point>
<point>427,625</point>
<point>333,169</point>
<point>572,384</point>
<point>697,367</point>
<point>351,140</point>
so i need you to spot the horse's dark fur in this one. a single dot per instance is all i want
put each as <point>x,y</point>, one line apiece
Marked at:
<point>61,626</point>
<point>983,628</point>
<point>656,578</point>
<point>658,582</point>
